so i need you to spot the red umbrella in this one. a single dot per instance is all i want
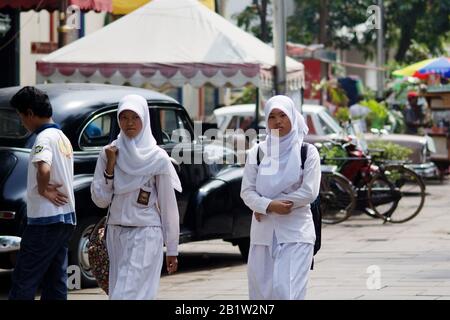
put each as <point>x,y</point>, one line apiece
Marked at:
<point>51,5</point>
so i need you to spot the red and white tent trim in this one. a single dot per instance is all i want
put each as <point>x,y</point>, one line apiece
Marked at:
<point>157,74</point>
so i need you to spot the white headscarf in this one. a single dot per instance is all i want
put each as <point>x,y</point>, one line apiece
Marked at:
<point>280,167</point>
<point>139,158</point>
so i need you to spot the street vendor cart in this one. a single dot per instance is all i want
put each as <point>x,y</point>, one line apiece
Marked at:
<point>438,99</point>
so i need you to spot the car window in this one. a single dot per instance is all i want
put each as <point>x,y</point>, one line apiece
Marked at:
<point>331,123</point>
<point>220,121</point>
<point>10,125</point>
<point>234,122</point>
<point>246,123</point>
<point>325,126</point>
<point>173,125</point>
<point>97,132</point>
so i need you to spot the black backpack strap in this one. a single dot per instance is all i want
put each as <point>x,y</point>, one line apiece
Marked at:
<point>258,160</point>
<point>258,156</point>
<point>303,154</point>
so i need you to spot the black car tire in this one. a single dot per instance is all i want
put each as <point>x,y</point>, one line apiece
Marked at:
<point>78,250</point>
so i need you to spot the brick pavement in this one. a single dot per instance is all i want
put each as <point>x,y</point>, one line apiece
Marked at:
<point>413,260</point>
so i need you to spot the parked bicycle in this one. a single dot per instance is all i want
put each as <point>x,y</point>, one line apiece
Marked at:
<point>337,196</point>
<point>384,189</point>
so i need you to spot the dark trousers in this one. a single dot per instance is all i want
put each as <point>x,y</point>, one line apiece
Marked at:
<point>42,260</point>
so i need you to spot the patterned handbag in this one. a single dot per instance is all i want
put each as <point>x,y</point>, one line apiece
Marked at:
<point>98,254</point>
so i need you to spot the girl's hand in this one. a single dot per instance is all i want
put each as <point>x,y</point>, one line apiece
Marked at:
<point>280,206</point>
<point>111,157</point>
<point>172,264</point>
<point>258,216</point>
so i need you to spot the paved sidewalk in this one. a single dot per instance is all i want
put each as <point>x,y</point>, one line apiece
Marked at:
<point>413,260</point>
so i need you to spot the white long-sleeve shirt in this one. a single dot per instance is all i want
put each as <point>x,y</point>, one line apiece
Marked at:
<point>161,211</point>
<point>297,226</point>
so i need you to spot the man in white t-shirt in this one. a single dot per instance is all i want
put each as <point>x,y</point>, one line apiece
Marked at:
<point>42,259</point>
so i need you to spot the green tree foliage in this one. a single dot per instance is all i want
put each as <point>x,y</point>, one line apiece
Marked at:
<point>254,19</point>
<point>415,27</point>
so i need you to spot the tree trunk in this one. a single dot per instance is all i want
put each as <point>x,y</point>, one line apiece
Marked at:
<point>405,42</point>
<point>407,27</point>
<point>324,15</point>
<point>262,12</point>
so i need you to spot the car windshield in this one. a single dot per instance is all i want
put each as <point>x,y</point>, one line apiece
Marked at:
<point>330,125</point>
<point>10,125</point>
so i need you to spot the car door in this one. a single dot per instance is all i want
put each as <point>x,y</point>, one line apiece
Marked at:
<point>173,131</point>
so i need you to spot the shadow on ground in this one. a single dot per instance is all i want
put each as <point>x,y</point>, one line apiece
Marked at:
<point>199,261</point>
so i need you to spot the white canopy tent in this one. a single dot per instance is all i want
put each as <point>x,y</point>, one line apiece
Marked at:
<point>169,42</point>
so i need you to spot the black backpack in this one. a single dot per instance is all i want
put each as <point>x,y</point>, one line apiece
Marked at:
<point>315,205</point>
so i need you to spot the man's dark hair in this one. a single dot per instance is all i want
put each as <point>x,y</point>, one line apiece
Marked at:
<point>31,98</point>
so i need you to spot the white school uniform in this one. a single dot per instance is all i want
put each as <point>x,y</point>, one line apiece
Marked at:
<point>136,233</point>
<point>281,242</point>
<point>281,246</point>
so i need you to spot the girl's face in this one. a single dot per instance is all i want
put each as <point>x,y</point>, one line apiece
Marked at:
<point>279,120</point>
<point>130,123</point>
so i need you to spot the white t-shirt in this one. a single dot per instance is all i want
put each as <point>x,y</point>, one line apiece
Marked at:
<point>52,147</point>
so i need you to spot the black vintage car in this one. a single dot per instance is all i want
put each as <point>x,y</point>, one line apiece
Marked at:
<point>210,206</point>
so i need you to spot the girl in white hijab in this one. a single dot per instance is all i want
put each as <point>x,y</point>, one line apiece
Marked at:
<point>137,179</point>
<point>279,192</point>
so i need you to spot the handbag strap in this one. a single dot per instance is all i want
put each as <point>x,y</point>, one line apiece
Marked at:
<point>107,215</point>
<point>97,225</point>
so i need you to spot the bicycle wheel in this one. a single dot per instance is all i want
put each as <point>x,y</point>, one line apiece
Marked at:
<point>382,197</point>
<point>337,198</point>
<point>411,188</point>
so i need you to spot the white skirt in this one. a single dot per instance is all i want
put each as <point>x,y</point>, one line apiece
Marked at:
<point>135,262</point>
<point>279,271</point>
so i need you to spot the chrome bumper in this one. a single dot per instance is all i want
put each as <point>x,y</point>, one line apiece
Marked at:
<point>425,170</point>
<point>9,243</point>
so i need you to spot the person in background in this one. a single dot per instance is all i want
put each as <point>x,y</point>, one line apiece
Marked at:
<point>42,259</point>
<point>417,115</point>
